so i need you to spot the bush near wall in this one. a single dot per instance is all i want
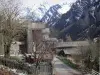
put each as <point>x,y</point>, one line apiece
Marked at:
<point>16,64</point>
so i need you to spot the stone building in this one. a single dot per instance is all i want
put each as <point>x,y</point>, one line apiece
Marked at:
<point>34,34</point>
<point>38,41</point>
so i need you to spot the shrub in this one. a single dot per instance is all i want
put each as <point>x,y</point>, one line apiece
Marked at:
<point>16,64</point>
<point>61,53</point>
<point>90,56</point>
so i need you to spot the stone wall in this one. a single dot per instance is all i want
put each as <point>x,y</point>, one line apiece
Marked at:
<point>1,45</point>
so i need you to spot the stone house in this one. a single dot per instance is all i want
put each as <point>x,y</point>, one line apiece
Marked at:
<point>39,42</point>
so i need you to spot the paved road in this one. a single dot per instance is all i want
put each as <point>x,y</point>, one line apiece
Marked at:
<point>61,69</point>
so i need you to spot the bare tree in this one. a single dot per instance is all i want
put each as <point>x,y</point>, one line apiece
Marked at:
<point>46,50</point>
<point>42,45</point>
<point>10,23</point>
<point>31,15</point>
<point>90,56</point>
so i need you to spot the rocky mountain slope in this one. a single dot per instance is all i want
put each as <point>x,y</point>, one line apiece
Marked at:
<point>80,22</point>
<point>52,15</point>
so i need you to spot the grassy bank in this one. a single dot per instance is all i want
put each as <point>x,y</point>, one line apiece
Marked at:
<point>68,62</point>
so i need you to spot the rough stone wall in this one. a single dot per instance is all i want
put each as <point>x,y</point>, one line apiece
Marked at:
<point>1,45</point>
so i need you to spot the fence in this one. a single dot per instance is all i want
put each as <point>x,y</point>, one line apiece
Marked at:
<point>43,69</point>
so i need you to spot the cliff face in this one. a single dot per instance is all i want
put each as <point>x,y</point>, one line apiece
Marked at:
<point>81,21</point>
<point>52,15</point>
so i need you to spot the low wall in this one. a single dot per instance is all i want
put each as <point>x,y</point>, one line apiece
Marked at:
<point>41,69</point>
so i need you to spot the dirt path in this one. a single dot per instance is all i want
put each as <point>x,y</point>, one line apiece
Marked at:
<point>61,69</point>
